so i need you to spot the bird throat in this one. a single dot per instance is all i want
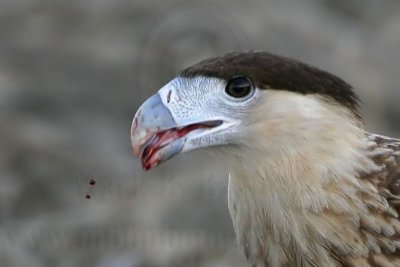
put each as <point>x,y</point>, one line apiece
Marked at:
<point>273,202</point>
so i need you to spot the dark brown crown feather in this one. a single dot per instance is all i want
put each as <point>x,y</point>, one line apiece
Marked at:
<point>270,71</point>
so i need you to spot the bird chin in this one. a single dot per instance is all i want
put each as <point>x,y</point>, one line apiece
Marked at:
<point>160,146</point>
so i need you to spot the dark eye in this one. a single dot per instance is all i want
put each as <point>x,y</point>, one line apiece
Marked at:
<point>239,87</point>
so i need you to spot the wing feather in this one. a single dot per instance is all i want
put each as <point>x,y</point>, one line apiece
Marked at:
<point>385,152</point>
<point>380,227</point>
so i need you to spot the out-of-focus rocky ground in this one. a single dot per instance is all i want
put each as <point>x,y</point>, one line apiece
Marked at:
<point>72,74</point>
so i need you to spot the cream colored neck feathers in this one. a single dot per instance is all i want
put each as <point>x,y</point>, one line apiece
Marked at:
<point>297,150</point>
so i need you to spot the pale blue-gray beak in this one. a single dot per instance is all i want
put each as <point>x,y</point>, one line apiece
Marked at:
<point>152,133</point>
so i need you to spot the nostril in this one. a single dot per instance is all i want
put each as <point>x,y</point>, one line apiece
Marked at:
<point>169,96</point>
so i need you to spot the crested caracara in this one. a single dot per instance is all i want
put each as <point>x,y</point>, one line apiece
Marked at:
<point>308,186</point>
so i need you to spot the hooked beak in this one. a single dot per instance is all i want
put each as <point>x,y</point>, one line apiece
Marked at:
<point>155,135</point>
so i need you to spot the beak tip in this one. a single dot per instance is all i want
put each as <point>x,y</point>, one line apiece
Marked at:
<point>135,147</point>
<point>152,117</point>
<point>147,166</point>
<point>136,150</point>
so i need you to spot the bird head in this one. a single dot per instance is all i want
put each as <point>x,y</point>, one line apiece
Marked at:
<point>241,103</point>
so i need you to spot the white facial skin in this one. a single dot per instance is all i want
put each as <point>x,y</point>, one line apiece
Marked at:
<point>200,99</point>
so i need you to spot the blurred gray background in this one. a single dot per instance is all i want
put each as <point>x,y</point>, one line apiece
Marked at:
<point>72,74</point>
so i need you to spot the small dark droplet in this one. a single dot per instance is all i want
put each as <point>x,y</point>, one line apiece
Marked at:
<point>92,182</point>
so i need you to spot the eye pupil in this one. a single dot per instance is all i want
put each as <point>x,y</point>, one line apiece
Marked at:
<point>239,87</point>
